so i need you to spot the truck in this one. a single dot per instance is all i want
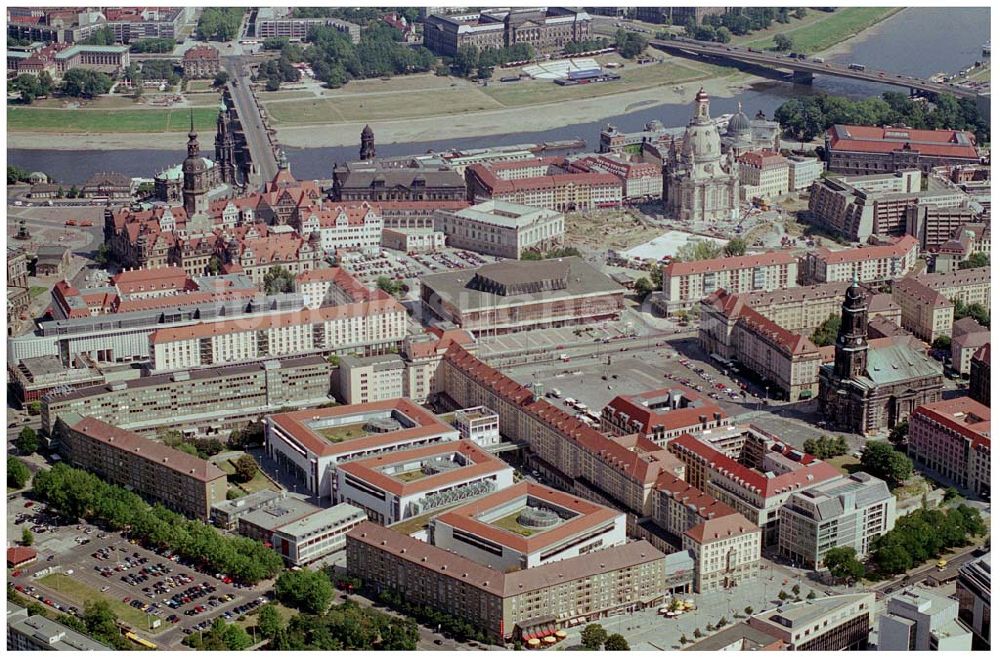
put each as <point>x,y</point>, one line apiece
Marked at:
<point>555,393</point>
<point>564,358</point>
<point>856,67</point>
<point>819,60</point>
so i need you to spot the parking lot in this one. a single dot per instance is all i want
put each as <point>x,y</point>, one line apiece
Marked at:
<point>407,268</point>
<point>159,595</point>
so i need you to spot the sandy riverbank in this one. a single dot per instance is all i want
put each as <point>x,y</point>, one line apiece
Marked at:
<point>486,123</point>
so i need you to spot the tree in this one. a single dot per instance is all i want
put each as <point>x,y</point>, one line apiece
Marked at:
<point>697,633</point>
<point>656,275</point>
<point>748,610</point>
<point>735,247</point>
<point>221,78</point>
<point>697,250</point>
<point>643,286</point>
<point>616,642</point>
<point>28,86</point>
<point>79,82</point>
<point>269,621</point>
<point>782,42</point>
<point>278,280</point>
<point>27,538</point>
<point>16,174</point>
<point>214,265</point>
<point>942,342</point>
<point>306,590</point>
<point>899,432</point>
<point>34,407</point>
<point>18,473</point>
<point>796,589</point>
<point>811,596</point>
<point>826,333</point>
<point>593,636</point>
<point>246,468</point>
<point>27,441</point>
<point>73,192</point>
<point>782,595</point>
<point>883,461</point>
<point>976,260</point>
<point>826,447</point>
<point>389,285</point>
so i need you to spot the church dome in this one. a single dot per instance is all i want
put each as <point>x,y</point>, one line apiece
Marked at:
<point>738,124</point>
<point>702,143</point>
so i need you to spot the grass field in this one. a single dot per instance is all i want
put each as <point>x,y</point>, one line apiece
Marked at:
<point>80,593</point>
<point>37,291</point>
<point>375,107</point>
<point>200,85</point>
<point>846,464</point>
<point>831,30</point>
<point>510,523</point>
<point>258,483</point>
<point>148,120</point>
<point>412,475</point>
<point>345,432</point>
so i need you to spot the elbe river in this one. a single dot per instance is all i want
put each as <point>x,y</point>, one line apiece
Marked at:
<point>918,42</point>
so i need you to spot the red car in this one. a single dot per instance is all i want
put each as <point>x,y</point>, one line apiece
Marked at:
<point>16,573</point>
<point>28,505</point>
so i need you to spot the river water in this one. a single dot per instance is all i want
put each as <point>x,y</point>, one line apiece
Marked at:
<point>917,42</point>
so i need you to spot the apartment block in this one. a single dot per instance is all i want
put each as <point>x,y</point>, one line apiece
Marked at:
<point>173,478</point>
<point>849,512</point>
<point>864,264</point>
<point>275,22</point>
<point>979,375</point>
<point>967,285</point>
<point>660,415</point>
<point>803,172</point>
<point>371,379</point>
<point>967,338</point>
<point>763,175</point>
<point>952,438</point>
<point>687,283</point>
<point>640,180</point>
<point>921,619</point>
<point>804,309</point>
<point>36,632</point>
<point>552,183</point>
<point>501,229</point>
<point>371,327</point>
<point>934,226</point>
<point>620,579</point>
<point>204,401</point>
<point>927,313</point>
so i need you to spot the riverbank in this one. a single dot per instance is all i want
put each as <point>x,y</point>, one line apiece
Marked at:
<point>507,112</point>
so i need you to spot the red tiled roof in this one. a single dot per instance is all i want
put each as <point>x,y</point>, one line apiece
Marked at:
<point>900,249</point>
<point>813,471</point>
<point>294,423</point>
<point>964,415</point>
<point>983,354</point>
<point>669,419</point>
<point>150,280</point>
<point>867,139</point>
<point>695,499</point>
<point>18,555</point>
<point>497,185</point>
<point>761,159</point>
<point>370,469</point>
<point>201,52</point>
<point>590,516</point>
<point>719,529</point>
<point>726,264</point>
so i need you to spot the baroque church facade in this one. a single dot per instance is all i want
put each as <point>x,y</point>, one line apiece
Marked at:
<point>700,183</point>
<point>868,389</point>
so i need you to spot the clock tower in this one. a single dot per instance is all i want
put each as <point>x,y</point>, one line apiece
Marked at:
<point>851,349</point>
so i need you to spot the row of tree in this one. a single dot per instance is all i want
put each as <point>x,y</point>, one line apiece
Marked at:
<point>309,591</point>
<point>344,627</point>
<point>706,250</point>
<point>826,447</point>
<point>977,311</point>
<point>76,494</point>
<point>806,117</point>
<point>559,252</point>
<point>220,636</point>
<point>826,333</point>
<point>470,59</point>
<point>595,637</point>
<point>158,45</point>
<point>739,22</point>
<point>458,629</point>
<point>335,59</point>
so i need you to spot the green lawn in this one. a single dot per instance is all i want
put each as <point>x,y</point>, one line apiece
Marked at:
<point>510,523</point>
<point>843,24</point>
<point>148,120</point>
<point>846,464</point>
<point>259,483</point>
<point>37,291</point>
<point>385,106</point>
<point>80,593</point>
<point>412,475</point>
<point>345,432</point>
<point>200,85</point>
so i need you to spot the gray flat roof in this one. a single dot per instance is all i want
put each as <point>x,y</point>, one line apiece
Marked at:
<point>279,514</point>
<point>582,280</point>
<point>335,515</point>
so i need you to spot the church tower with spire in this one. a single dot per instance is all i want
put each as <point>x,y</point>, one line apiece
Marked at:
<point>851,349</point>
<point>367,144</point>
<point>225,147</point>
<point>195,170</point>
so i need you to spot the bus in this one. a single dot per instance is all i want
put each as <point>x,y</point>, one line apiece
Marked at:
<point>132,636</point>
<point>856,67</point>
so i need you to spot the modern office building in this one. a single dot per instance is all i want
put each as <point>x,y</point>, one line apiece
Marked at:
<point>921,619</point>
<point>170,477</point>
<point>952,438</point>
<point>370,379</point>
<point>276,22</point>
<point>36,632</point>
<point>974,594</point>
<point>479,425</point>
<point>850,512</point>
<point>311,443</point>
<point>399,485</point>
<point>526,525</point>
<point>317,535</point>
<point>508,297</point>
<point>201,401</point>
<point>501,229</point>
<point>836,622</point>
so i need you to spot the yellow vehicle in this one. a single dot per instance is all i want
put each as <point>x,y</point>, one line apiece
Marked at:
<point>132,636</point>
<point>942,564</point>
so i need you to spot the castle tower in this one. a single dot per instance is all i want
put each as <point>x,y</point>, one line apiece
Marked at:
<point>367,144</point>
<point>195,171</point>
<point>851,350</point>
<point>225,147</point>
